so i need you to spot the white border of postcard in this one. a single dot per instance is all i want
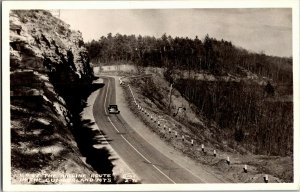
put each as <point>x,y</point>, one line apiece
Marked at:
<point>8,5</point>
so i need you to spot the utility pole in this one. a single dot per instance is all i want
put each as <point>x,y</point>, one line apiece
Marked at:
<point>170,95</point>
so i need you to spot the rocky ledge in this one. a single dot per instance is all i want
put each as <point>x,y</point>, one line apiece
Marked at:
<point>48,63</point>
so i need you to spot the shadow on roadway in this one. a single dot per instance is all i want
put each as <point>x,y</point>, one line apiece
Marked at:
<point>99,158</point>
<point>86,135</point>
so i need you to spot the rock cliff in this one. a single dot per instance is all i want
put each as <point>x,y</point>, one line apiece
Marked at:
<point>48,63</point>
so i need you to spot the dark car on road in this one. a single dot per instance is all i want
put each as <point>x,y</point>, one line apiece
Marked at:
<point>113,109</point>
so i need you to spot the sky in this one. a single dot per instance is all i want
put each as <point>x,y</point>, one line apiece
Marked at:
<point>258,30</point>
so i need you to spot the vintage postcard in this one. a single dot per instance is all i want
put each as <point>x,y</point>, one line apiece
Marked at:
<point>150,95</point>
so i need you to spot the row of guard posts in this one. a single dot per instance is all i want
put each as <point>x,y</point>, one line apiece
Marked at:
<point>192,142</point>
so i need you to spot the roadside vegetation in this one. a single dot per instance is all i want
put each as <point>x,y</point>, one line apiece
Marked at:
<point>219,57</point>
<point>194,126</point>
<point>245,98</point>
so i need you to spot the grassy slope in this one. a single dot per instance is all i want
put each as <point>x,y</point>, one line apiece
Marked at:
<point>153,96</point>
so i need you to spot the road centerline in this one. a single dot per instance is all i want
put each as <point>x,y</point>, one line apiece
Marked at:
<point>106,97</point>
<point>148,160</point>
<point>113,124</point>
<point>129,142</point>
<point>163,174</point>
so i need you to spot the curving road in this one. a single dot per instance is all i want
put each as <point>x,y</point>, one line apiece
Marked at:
<point>146,161</point>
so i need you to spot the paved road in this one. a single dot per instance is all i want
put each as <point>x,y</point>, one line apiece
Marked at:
<point>146,161</point>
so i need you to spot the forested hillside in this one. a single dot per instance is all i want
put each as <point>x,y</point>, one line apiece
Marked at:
<point>219,57</point>
<point>249,95</point>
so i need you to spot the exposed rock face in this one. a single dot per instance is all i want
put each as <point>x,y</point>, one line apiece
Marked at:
<point>46,44</point>
<point>47,60</point>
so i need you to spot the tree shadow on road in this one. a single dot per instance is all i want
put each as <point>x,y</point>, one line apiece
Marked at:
<point>98,157</point>
<point>85,135</point>
<point>89,139</point>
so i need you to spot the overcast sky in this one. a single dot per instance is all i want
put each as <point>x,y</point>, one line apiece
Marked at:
<point>268,30</point>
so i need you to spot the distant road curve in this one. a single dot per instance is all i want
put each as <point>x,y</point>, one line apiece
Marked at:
<point>146,161</point>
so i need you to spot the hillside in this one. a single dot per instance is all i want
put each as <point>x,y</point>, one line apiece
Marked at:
<point>151,92</point>
<point>50,77</point>
<point>212,73</point>
<point>236,101</point>
<point>207,55</point>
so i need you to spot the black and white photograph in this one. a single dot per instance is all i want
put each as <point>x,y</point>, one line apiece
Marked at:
<point>105,96</point>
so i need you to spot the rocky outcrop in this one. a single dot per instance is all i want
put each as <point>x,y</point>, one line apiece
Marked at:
<point>48,63</point>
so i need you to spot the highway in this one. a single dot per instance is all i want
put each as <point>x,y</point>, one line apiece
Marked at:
<point>147,162</point>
